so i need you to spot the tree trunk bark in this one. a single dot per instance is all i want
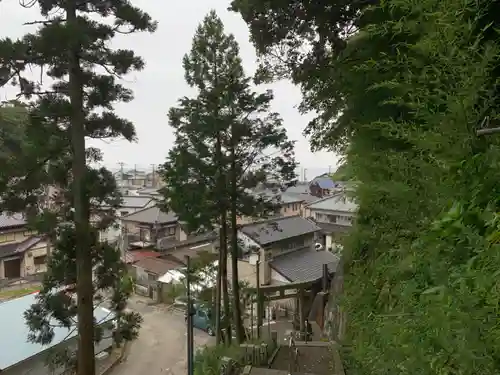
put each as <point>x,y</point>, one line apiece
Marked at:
<point>218,294</point>
<point>238,325</point>
<point>84,284</point>
<point>223,271</point>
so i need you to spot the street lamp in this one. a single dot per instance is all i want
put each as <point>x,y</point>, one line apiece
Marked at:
<point>255,261</point>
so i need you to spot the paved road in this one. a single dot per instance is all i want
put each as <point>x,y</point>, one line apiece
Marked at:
<point>161,346</point>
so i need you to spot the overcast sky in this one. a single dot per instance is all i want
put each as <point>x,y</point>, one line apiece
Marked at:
<point>161,83</point>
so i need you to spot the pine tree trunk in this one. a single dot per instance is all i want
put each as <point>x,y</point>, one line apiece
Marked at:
<point>238,325</point>
<point>223,270</point>
<point>218,294</point>
<point>84,287</point>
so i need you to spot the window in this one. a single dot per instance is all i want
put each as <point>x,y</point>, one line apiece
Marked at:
<point>123,213</point>
<point>143,235</point>
<point>40,260</point>
<point>28,233</point>
<point>8,237</point>
<point>171,231</point>
<point>318,217</point>
<point>332,218</point>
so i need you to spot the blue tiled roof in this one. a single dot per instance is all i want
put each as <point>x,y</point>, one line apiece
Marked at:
<point>14,345</point>
<point>324,182</point>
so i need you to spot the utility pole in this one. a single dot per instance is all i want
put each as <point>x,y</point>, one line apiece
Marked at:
<point>189,320</point>
<point>121,164</point>
<point>153,175</point>
<point>305,174</point>
<point>329,169</point>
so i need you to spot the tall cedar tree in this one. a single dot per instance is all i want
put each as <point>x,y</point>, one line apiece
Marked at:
<point>206,184</point>
<point>72,48</point>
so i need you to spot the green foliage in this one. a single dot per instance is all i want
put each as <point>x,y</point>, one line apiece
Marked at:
<point>227,142</point>
<point>207,361</point>
<point>72,47</point>
<point>226,110</point>
<point>402,100</point>
<point>343,173</point>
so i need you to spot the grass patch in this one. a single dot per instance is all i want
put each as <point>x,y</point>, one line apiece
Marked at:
<point>14,293</point>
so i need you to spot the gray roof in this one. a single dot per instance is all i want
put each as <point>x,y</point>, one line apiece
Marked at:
<point>14,220</point>
<point>14,346</point>
<point>151,215</point>
<point>281,197</point>
<point>19,247</point>
<point>333,228</point>
<point>304,197</point>
<point>135,201</point>
<point>290,198</point>
<point>299,188</point>
<point>148,191</point>
<point>304,265</point>
<point>338,202</point>
<point>274,230</point>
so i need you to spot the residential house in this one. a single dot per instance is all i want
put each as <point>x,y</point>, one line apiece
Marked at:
<point>334,215</point>
<point>132,178</point>
<point>147,226</point>
<point>150,192</point>
<point>286,255</point>
<point>287,204</point>
<point>192,245</point>
<point>149,269</point>
<point>18,356</point>
<point>22,251</point>
<point>286,251</point>
<point>130,204</point>
<point>322,186</point>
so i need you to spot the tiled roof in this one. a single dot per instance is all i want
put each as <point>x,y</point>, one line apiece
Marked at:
<point>274,230</point>
<point>19,247</point>
<point>151,215</point>
<point>304,265</point>
<point>9,221</point>
<point>14,346</point>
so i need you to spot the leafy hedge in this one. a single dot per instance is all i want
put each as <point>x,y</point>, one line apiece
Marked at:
<point>421,289</point>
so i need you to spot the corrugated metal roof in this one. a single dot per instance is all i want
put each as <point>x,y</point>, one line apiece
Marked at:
<point>14,346</point>
<point>151,215</point>
<point>338,202</point>
<point>274,230</point>
<point>305,265</point>
<point>14,220</point>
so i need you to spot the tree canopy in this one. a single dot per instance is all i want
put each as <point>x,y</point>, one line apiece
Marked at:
<point>401,99</point>
<point>71,47</point>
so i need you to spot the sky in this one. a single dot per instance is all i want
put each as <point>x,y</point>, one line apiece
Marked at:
<point>161,83</point>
